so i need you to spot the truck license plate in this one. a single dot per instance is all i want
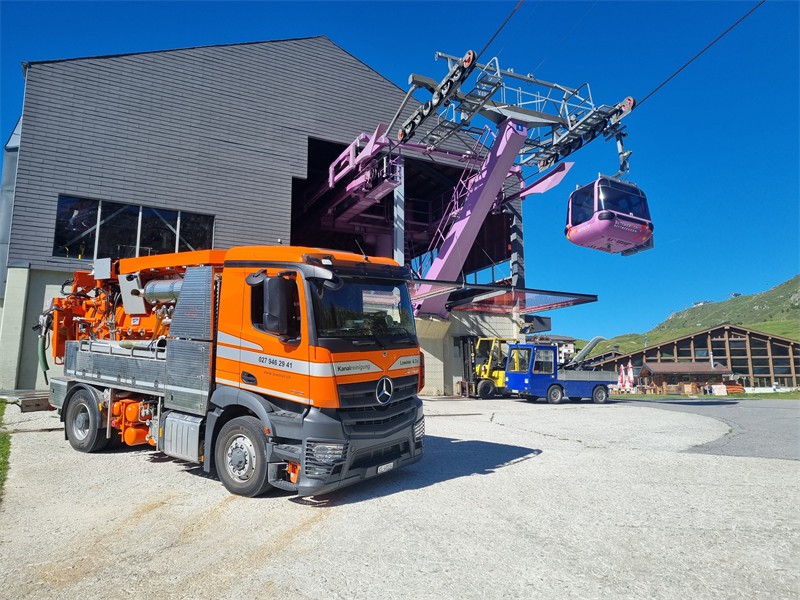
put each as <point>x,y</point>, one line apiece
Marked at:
<point>386,467</point>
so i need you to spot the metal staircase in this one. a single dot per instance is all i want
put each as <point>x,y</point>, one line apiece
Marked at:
<point>451,212</point>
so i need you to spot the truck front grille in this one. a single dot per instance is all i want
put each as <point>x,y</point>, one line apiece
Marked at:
<point>371,420</point>
<point>353,395</point>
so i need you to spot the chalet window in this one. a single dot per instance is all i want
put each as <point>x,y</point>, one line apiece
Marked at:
<point>90,229</point>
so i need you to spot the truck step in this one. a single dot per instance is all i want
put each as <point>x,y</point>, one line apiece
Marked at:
<point>273,476</point>
<point>288,452</point>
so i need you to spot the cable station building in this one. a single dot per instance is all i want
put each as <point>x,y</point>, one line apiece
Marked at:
<point>188,149</point>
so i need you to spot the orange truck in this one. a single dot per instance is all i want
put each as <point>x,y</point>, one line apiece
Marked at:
<point>274,366</point>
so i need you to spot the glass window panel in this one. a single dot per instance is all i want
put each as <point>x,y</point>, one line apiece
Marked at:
<point>544,361</point>
<point>159,228</point>
<point>519,360</point>
<point>197,232</point>
<point>718,349</point>
<point>778,350</point>
<point>76,223</point>
<point>623,199</point>
<point>118,224</point>
<point>582,205</point>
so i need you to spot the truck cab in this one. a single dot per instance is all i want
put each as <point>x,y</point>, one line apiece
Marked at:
<point>532,371</point>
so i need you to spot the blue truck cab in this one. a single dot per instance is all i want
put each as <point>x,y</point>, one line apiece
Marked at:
<point>532,371</point>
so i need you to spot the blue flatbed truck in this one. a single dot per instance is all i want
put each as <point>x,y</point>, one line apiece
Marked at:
<point>532,371</point>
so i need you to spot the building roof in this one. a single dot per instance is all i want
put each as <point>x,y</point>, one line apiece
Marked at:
<point>610,356</point>
<point>684,368</point>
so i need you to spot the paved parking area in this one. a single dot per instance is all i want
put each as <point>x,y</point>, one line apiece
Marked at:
<point>760,428</point>
<point>513,500</point>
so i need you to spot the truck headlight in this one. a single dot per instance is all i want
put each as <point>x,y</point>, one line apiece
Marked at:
<point>327,453</point>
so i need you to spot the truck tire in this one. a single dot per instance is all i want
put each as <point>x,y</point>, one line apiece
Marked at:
<point>82,423</point>
<point>600,394</point>
<point>555,394</point>
<point>241,457</point>
<point>486,388</point>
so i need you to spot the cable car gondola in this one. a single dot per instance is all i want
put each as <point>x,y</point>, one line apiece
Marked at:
<point>609,215</point>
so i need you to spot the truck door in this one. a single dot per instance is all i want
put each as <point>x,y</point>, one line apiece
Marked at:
<point>542,370</point>
<point>274,334</point>
<point>518,368</point>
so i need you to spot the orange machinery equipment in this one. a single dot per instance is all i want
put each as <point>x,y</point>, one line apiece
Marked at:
<point>286,367</point>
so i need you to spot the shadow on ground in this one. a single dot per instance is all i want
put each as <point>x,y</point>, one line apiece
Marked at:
<point>445,459</point>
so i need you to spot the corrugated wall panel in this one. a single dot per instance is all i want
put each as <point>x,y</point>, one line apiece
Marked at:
<point>216,130</point>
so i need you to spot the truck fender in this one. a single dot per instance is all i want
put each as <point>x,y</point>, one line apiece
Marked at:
<point>223,399</point>
<point>74,387</point>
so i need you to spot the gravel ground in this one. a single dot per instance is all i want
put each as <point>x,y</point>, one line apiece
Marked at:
<point>513,500</point>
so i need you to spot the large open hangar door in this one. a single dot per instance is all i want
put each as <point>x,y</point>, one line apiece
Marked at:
<point>331,218</point>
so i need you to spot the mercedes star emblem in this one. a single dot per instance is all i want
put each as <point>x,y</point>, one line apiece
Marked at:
<point>384,391</point>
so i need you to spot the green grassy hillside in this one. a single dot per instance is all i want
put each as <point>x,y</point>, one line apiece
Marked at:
<point>776,311</point>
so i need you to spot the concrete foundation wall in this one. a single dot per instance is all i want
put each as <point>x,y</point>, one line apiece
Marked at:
<point>27,293</point>
<point>443,360</point>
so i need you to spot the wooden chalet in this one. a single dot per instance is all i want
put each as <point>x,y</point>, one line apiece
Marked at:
<point>722,353</point>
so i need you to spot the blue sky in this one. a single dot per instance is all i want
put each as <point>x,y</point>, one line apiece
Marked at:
<point>716,149</point>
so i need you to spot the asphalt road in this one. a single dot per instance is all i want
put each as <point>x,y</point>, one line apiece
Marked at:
<point>512,500</point>
<point>758,428</point>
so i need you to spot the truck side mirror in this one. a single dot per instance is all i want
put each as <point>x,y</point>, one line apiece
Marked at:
<point>278,300</point>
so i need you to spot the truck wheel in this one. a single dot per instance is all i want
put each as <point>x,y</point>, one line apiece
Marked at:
<point>241,457</point>
<point>82,423</point>
<point>599,394</point>
<point>486,388</point>
<point>555,394</point>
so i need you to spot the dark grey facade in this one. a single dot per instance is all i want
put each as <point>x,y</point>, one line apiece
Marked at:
<point>232,143</point>
<point>216,130</point>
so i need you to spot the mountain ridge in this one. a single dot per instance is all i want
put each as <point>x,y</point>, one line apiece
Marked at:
<point>775,311</point>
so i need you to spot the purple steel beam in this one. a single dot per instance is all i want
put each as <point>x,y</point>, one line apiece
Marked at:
<point>354,165</point>
<point>482,193</point>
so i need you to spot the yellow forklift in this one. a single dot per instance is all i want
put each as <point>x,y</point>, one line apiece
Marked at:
<point>485,366</point>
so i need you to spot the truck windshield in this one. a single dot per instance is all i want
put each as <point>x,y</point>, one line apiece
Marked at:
<point>366,311</point>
